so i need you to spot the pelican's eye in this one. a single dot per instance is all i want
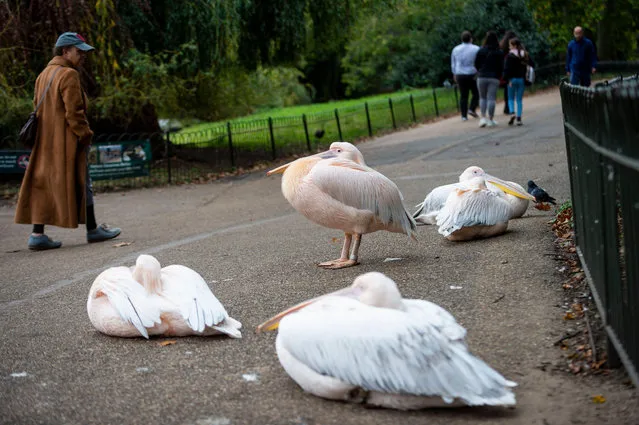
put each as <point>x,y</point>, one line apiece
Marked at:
<point>339,150</point>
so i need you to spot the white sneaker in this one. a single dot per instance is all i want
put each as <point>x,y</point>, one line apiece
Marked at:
<point>464,119</point>
<point>483,122</point>
<point>492,123</point>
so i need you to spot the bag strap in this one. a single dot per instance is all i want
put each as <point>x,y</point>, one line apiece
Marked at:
<point>47,89</point>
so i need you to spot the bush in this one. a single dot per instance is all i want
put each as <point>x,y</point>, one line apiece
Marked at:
<point>15,108</point>
<point>411,47</point>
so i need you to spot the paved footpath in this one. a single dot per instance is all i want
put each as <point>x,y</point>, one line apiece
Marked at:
<point>259,256</point>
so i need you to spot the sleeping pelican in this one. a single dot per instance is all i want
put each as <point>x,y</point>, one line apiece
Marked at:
<point>473,211</point>
<point>336,189</point>
<point>365,344</point>
<point>511,192</point>
<point>146,300</point>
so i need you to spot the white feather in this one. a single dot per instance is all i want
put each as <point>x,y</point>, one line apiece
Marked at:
<point>195,301</point>
<point>472,207</point>
<point>128,297</point>
<point>419,351</point>
<point>427,211</point>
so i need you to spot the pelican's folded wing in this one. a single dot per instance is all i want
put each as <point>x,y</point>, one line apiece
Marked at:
<point>361,187</point>
<point>188,290</point>
<point>129,298</point>
<point>435,200</point>
<point>464,208</point>
<point>392,351</point>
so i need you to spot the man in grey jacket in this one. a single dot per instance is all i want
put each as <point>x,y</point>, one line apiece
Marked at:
<point>462,62</point>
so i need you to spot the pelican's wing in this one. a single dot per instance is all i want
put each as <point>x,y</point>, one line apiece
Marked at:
<point>435,200</point>
<point>128,297</point>
<point>465,208</point>
<point>437,317</point>
<point>188,290</point>
<point>391,351</point>
<point>361,187</point>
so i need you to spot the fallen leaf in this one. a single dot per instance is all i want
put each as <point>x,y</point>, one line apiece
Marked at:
<point>542,207</point>
<point>599,399</point>
<point>167,342</point>
<point>569,316</point>
<point>121,244</point>
<point>333,240</point>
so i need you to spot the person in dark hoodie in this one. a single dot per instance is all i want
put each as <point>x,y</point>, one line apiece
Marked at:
<point>490,64</point>
<point>581,59</point>
<point>515,68</point>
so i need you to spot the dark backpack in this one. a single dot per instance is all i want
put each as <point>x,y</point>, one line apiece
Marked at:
<point>29,130</point>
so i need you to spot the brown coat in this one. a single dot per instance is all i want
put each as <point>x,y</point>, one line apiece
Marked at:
<point>53,190</point>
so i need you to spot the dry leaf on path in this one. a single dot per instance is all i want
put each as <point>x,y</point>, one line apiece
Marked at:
<point>121,244</point>
<point>167,342</point>
<point>599,399</point>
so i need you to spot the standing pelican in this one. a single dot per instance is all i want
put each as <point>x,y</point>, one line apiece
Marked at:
<point>336,189</point>
<point>511,192</point>
<point>147,300</point>
<point>473,211</point>
<point>366,344</point>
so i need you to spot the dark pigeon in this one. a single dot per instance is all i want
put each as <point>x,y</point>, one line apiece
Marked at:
<point>539,194</point>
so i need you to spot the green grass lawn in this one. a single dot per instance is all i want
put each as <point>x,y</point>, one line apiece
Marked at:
<point>253,133</point>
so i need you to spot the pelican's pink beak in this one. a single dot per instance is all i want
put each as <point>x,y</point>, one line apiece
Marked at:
<point>272,323</point>
<point>322,155</point>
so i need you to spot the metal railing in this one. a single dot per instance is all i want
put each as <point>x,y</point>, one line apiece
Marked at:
<point>197,155</point>
<point>602,143</point>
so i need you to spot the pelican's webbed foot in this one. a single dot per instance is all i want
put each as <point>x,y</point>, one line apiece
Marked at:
<point>340,263</point>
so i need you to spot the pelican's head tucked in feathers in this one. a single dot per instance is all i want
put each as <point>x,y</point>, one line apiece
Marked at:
<point>366,344</point>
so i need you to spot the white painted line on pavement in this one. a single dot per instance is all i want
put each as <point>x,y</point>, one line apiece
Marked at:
<point>132,256</point>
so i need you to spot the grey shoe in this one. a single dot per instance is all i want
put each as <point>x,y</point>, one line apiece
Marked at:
<point>102,233</point>
<point>42,242</point>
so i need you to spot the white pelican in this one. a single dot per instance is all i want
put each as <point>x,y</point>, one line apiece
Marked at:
<point>146,300</point>
<point>336,189</point>
<point>365,344</point>
<point>512,192</point>
<point>473,211</point>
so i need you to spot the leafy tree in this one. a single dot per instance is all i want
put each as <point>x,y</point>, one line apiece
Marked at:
<point>411,47</point>
<point>612,24</point>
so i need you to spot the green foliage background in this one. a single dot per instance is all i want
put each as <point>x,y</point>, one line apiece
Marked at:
<point>215,59</point>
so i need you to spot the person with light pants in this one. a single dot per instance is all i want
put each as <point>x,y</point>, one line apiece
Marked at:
<point>515,67</point>
<point>490,64</point>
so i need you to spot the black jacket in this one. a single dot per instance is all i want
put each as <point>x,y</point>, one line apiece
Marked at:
<point>515,66</point>
<point>489,62</point>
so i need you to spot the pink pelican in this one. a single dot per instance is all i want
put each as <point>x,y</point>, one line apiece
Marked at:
<point>513,193</point>
<point>336,189</point>
<point>473,211</point>
<point>148,300</point>
<point>366,344</point>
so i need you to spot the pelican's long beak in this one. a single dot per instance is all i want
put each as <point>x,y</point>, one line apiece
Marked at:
<point>272,323</point>
<point>321,155</point>
<point>508,188</point>
<point>279,170</point>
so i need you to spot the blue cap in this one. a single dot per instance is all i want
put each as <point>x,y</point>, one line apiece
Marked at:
<point>73,39</point>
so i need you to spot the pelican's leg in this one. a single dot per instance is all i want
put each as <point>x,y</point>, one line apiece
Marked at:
<point>343,260</point>
<point>355,252</point>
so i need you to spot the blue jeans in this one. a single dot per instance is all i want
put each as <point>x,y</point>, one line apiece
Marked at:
<point>580,78</point>
<point>516,91</point>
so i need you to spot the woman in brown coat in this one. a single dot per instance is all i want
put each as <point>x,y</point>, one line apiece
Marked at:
<point>56,188</point>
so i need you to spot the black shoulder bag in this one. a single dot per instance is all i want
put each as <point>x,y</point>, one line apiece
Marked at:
<point>28,133</point>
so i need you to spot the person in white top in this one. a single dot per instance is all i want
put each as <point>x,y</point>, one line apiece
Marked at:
<point>462,62</point>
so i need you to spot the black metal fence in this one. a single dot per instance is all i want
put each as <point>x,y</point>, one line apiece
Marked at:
<point>201,154</point>
<point>602,143</point>
<point>198,155</point>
